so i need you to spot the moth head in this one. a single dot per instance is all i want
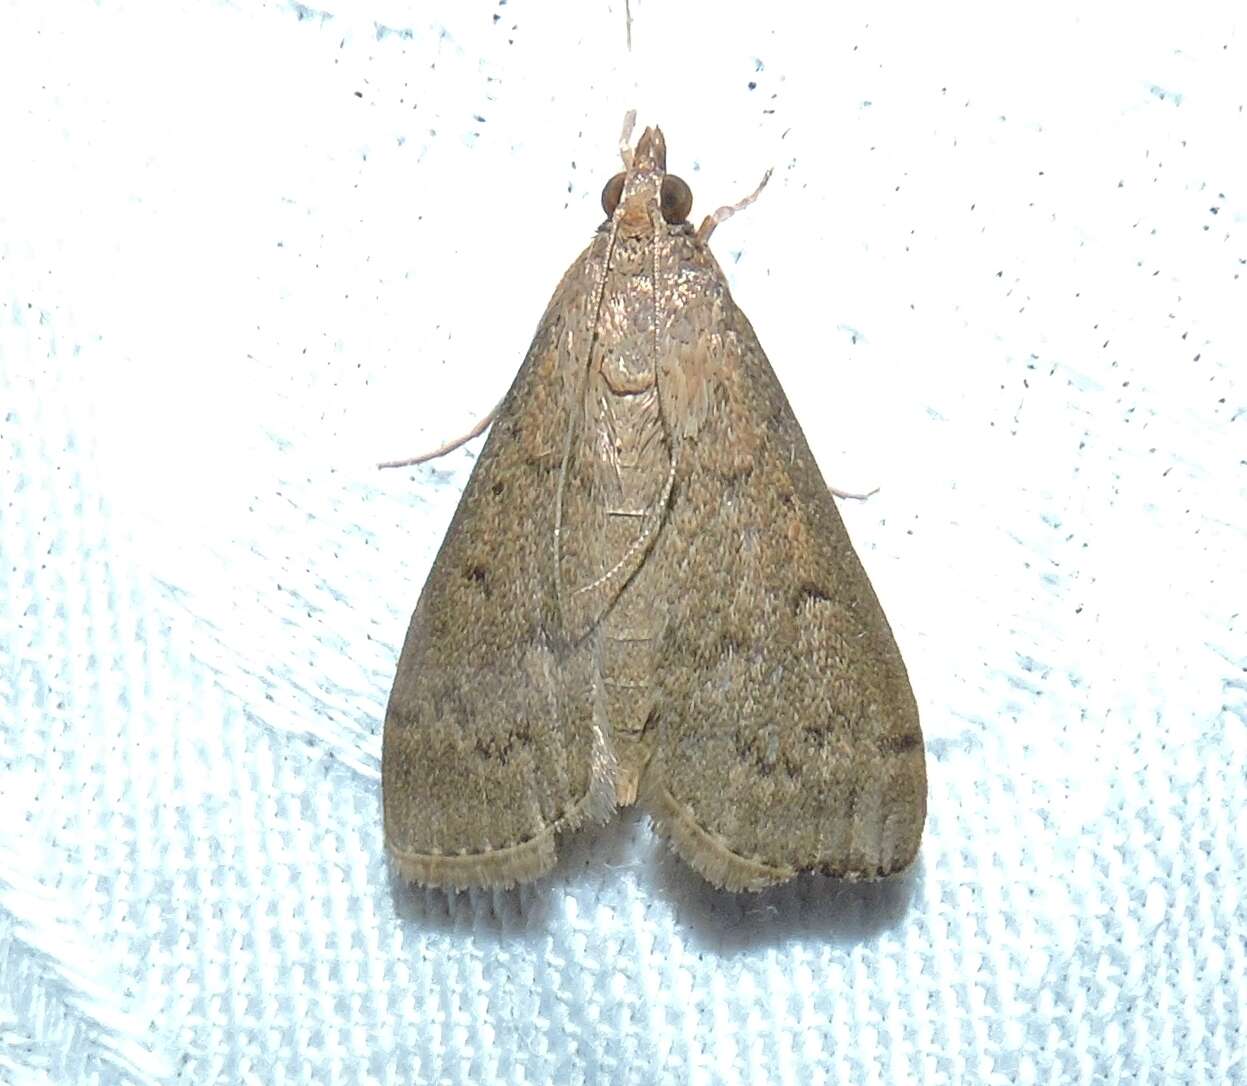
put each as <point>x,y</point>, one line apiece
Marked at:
<point>645,184</point>
<point>651,151</point>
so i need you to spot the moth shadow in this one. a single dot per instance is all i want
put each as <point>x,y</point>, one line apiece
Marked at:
<point>808,907</point>
<point>518,912</point>
<point>594,860</point>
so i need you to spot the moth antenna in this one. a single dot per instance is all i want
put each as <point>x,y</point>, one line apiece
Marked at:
<point>625,138</point>
<point>724,213</point>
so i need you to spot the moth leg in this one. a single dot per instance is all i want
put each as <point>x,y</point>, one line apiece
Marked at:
<point>853,494</point>
<point>449,447</point>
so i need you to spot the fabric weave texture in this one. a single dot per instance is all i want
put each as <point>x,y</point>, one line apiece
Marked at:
<point>246,251</point>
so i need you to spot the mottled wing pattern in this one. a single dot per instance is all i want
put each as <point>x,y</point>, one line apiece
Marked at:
<point>490,745</point>
<point>787,736</point>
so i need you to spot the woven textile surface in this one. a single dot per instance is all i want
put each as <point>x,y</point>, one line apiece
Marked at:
<point>247,250</point>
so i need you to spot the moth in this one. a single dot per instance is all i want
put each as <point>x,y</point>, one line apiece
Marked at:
<point>647,596</point>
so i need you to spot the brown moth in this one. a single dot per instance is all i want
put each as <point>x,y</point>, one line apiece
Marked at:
<point>647,596</point>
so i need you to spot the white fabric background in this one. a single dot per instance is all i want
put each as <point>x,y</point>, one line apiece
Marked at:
<point>249,249</point>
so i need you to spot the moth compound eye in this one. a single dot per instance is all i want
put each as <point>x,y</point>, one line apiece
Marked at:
<point>612,194</point>
<point>677,199</point>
